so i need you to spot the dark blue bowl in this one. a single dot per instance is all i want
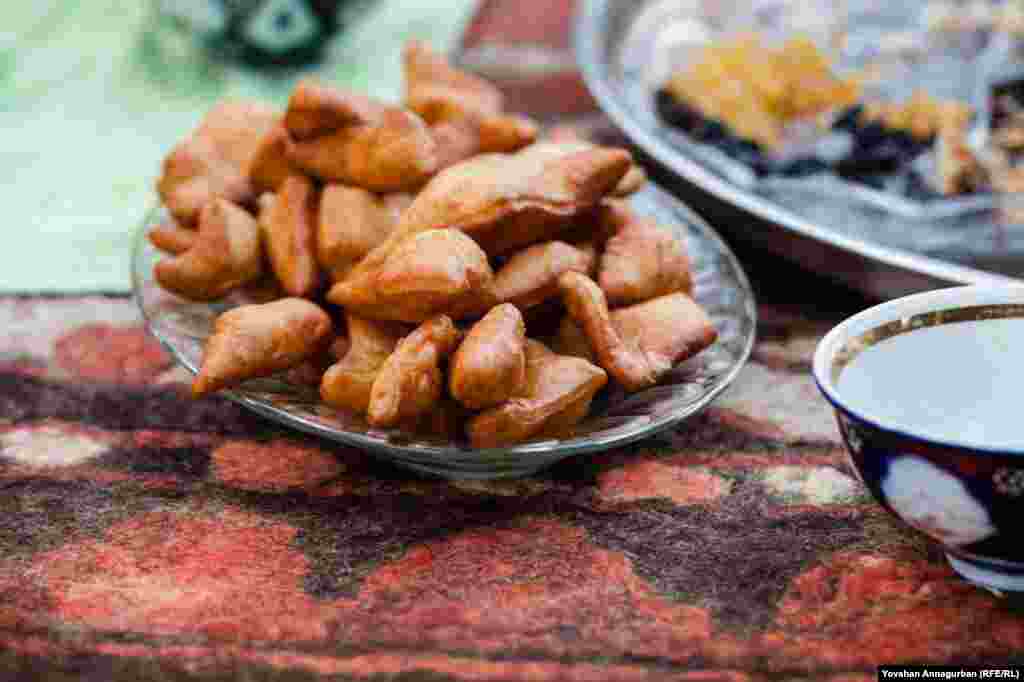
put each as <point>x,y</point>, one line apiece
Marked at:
<point>966,495</point>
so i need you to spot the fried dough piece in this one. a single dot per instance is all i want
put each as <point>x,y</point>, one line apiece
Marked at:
<point>490,365</point>
<point>506,133</point>
<point>315,109</point>
<point>309,372</point>
<point>352,222</point>
<point>430,273</point>
<point>289,231</point>
<point>505,202</point>
<point>348,382</point>
<point>258,340</point>
<point>210,163</point>
<point>460,139</point>
<point>556,396</point>
<point>530,277</point>
<point>640,343</point>
<point>437,91</point>
<point>264,289</point>
<point>225,254</point>
<point>172,239</point>
<point>236,127</point>
<point>641,260</point>
<point>456,141</point>
<point>631,182</point>
<point>542,320</point>
<point>591,226</point>
<point>463,110</point>
<point>343,137</point>
<point>395,153</point>
<point>339,347</point>
<point>570,340</point>
<point>269,165</point>
<point>410,380</point>
<point>444,420</point>
<point>193,174</point>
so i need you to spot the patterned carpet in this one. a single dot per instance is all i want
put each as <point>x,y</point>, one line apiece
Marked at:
<point>144,535</point>
<point>148,535</point>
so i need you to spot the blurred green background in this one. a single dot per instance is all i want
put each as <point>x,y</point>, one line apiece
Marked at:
<point>94,93</point>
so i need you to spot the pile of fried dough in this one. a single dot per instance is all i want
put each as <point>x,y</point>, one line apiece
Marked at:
<point>431,266</point>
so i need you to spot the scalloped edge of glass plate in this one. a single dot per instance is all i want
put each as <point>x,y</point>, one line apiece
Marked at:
<point>456,462</point>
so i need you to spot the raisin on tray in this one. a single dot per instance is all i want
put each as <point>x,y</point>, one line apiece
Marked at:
<point>847,120</point>
<point>674,112</point>
<point>856,149</point>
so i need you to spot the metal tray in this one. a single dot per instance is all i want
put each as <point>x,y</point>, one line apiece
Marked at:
<point>620,49</point>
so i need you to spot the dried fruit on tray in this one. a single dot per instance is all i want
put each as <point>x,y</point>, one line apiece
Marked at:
<point>755,89</point>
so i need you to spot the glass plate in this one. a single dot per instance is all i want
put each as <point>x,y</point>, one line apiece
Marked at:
<point>616,418</point>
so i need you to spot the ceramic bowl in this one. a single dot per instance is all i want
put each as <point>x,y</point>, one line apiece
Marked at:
<point>967,492</point>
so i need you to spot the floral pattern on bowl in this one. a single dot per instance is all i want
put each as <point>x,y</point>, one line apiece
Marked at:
<point>935,502</point>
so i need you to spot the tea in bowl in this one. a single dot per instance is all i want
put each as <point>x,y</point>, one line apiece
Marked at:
<point>927,390</point>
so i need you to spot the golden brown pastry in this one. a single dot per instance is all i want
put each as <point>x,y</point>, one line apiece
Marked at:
<point>343,137</point>
<point>310,372</point>
<point>570,340</point>
<point>289,231</point>
<point>211,162</point>
<point>437,91</point>
<point>269,165</point>
<point>506,133</point>
<point>259,340</point>
<point>490,365</point>
<point>348,382</point>
<point>530,276</point>
<point>464,111</point>
<point>444,421</point>
<point>352,222</point>
<point>225,254</point>
<point>542,320</point>
<point>339,347</point>
<point>264,289</point>
<point>315,109</point>
<point>460,139</point>
<point>410,380</point>
<point>193,175</point>
<point>456,141</point>
<point>172,239</point>
<point>505,202</point>
<point>641,260</point>
<point>640,343</point>
<point>236,127</point>
<point>555,397</point>
<point>430,273</point>
<point>631,182</point>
